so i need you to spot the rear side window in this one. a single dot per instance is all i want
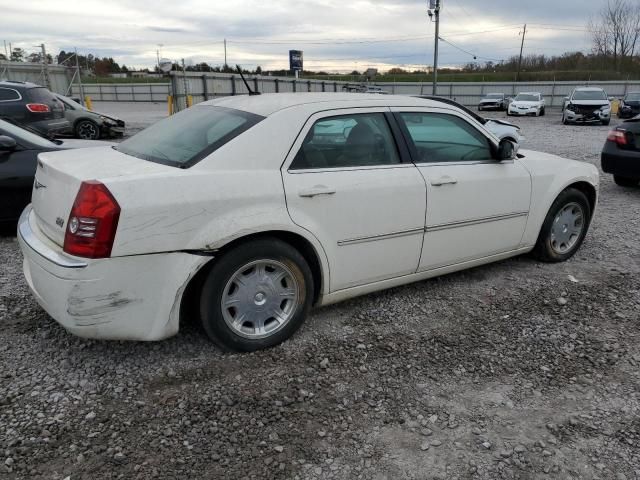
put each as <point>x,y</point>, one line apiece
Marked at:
<point>40,95</point>
<point>8,95</point>
<point>358,140</point>
<point>184,139</point>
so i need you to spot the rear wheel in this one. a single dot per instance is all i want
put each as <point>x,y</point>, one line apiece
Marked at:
<point>626,181</point>
<point>256,296</point>
<point>87,130</point>
<point>564,227</point>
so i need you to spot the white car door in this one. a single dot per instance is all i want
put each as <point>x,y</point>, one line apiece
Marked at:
<point>351,184</point>
<point>476,206</point>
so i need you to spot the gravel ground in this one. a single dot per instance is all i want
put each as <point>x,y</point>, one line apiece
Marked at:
<point>516,370</point>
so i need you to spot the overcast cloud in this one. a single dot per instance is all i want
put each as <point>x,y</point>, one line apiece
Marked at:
<point>262,32</point>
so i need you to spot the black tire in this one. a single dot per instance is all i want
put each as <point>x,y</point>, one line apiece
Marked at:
<point>626,181</point>
<point>605,122</point>
<point>542,112</point>
<point>479,108</point>
<point>87,130</point>
<point>543,250</point>
<point>211,312</point>
<point>564,120</point>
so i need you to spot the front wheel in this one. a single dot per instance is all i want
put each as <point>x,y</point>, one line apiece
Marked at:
<point>605,122</point>
<point>626,181</point>
<point>564,119</point>
<point>87,130</point>
<point>542,112</point>
<point>564,227</point>
<point>256,295</point>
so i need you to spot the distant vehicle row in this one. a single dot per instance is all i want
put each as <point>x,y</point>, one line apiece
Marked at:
<point>54,115</point>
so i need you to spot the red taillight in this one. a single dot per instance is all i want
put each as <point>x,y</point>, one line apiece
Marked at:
<point>617,136</point>
<point>92,223</point>
<point>38,108</point>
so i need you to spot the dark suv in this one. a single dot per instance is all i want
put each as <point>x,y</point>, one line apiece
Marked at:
<point>33,105</point>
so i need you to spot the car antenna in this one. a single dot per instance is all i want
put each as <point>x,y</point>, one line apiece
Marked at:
<point>246,84</point>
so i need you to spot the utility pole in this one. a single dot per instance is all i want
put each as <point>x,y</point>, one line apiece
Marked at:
<point>225,53</point>
<point>436,11</point>
<point>184,80</point>
<point>45,67</point>
<point>79,77</point>
<point>160,45</point>
<point>524,32</point>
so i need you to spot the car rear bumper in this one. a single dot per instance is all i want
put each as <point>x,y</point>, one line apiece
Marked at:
<point>625,163</point>
<point>122,298</point>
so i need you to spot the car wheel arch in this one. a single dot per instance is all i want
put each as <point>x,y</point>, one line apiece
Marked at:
<point>303,245</point>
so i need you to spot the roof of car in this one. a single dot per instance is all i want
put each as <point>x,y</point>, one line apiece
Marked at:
<point>589,88</point>
<point>268,103</point>
<point>17,84</point>
<point>529,93</point>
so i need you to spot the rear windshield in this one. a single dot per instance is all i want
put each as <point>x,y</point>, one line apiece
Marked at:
<point>41,95</point>
<point>494,95</point>
<point>589,95</point>
<point>185,138</point>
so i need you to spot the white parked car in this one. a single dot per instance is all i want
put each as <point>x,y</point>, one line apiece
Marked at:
<point>249,210</point>
<point>587,104</point>
<point>527,103</point>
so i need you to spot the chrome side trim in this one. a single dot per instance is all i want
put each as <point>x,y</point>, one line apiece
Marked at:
<point>38,246</point>
<point>474,221</point>
<point>384,236</point>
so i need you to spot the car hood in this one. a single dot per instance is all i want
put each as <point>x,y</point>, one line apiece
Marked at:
<point>524,103</point>
<point>76,143</point>
<point>502,122</point>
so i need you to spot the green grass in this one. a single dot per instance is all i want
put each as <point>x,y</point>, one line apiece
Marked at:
<point>489,77</point>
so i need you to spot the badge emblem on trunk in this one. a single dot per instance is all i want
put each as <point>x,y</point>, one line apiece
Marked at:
<point>37,185</point>
<point>59,222</point>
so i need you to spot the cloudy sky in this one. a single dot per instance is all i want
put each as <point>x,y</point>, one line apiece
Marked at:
<point>335,35</point>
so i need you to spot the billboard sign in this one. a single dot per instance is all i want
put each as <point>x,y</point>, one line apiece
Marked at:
<point>295,60</point>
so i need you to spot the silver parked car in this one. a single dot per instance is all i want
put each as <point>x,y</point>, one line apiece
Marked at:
<point>90,125</point>
<point>587,104</point>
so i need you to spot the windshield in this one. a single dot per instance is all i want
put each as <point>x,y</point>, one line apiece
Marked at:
<point>494,95</point>
<point>187,137</point>
<point>632,97</point>
<point>22,135</point>
<point>589,95</point>
<point>527,97</point>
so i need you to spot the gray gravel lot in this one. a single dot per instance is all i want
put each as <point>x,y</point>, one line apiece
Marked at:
<point>517,370</point>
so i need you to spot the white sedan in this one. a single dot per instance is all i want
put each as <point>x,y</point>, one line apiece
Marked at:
<point>527,103</point>
<point>246,211</point>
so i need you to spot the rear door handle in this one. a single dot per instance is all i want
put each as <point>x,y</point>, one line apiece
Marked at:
<point>316,190</point>
<point>444,180</point>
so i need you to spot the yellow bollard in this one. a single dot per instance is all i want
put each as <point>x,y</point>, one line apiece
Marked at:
<point>189,101</point>
<point>170,104</point>
<point>615,105</point>
<point>87,102</point>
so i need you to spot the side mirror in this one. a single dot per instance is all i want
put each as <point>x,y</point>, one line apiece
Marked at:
<point>7,144</point>
<point>506,150</point>
<point>611,99</point>
<point>566,99</point>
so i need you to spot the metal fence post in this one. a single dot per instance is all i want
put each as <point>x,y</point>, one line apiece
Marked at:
<point>205,88</point>
<point>277,82</point>
<point>233,84</point>
<point>174,92</point>
<point>308,85</point>
<point>553,93</point>
<point>323,86</point>
<point>255,84</point>
<point>335,86</point>
<point>100,92</point>
<point>133,93</point>
<point>294,86</point>
<point>451,90</point>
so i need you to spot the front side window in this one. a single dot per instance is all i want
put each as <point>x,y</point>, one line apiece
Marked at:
<point>185,138</point>
<point>356,140</point>
<point>441,137</point>
<point>8,95</point>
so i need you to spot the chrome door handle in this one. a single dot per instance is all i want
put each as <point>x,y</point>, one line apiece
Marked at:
<point>316,190</point>
<point>444,180</point>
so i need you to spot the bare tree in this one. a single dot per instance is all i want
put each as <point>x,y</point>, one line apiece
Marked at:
<point>616,31</point>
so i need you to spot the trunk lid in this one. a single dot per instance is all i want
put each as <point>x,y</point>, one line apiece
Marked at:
<point>60,173</point>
